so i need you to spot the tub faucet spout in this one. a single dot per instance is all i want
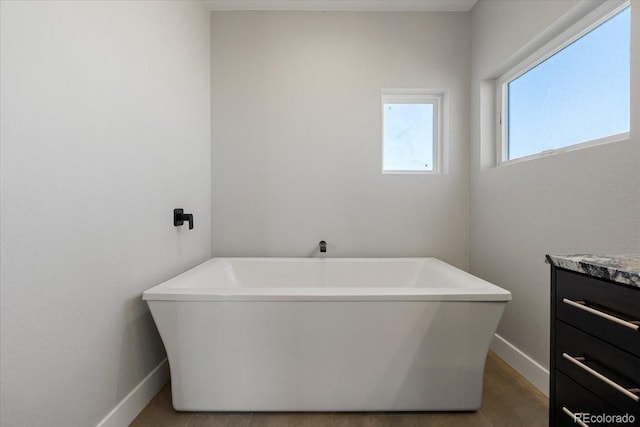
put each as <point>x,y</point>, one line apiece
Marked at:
<point>323,246</point>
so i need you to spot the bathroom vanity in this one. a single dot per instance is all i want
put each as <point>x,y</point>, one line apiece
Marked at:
<point>595,340</point>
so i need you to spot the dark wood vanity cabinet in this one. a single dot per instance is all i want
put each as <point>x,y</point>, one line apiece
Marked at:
<point>595,350</point>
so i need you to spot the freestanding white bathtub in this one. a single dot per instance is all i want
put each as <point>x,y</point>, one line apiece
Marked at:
<point>303,334</point>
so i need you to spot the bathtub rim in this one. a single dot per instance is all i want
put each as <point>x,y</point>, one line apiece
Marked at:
<point>165,292</point>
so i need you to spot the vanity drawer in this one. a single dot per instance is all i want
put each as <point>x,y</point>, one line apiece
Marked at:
<point>571,398</point>
<point>606,371</point>
<point>602,308</point>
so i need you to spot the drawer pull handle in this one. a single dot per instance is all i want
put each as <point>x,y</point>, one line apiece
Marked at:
<point>578,362</point>
<point>582,306</point>
<point>574,417</point>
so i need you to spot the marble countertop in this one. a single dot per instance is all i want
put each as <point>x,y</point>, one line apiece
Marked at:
<point>618,268</point>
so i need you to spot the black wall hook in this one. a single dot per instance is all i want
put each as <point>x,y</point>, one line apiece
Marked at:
<point>179,217</point>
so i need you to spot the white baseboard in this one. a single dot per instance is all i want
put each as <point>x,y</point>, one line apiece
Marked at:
<point>534,372</point>
<point>134,402</point>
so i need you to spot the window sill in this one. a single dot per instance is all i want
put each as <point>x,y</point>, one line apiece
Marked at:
<point>582,145</point>
<point>391,172</point>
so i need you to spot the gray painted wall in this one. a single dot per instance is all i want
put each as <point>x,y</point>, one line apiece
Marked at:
<point>296,145</point>
<point>585,201</point>
<point>105,129</point>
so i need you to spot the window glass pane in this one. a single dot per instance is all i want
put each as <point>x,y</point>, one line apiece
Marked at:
<point>408,137</point>
<point>579,94</point>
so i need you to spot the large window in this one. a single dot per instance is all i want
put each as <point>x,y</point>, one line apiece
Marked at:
<point>571,97</point>
<point>412,131</point>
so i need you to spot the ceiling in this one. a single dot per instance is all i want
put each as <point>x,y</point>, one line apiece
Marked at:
<point>345,5</point>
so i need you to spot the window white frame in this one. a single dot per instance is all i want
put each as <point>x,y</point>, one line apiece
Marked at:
<point>585,25</point>
<point>437,98</point>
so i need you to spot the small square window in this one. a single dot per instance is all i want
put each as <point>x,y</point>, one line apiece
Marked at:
<point>411,131</point>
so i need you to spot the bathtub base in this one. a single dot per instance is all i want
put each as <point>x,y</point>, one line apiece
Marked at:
<point>327,355</point>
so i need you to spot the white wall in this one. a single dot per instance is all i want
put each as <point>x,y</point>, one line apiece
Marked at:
<point>296,145</point>
<point>585,201</point>
<point>105,128</point>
